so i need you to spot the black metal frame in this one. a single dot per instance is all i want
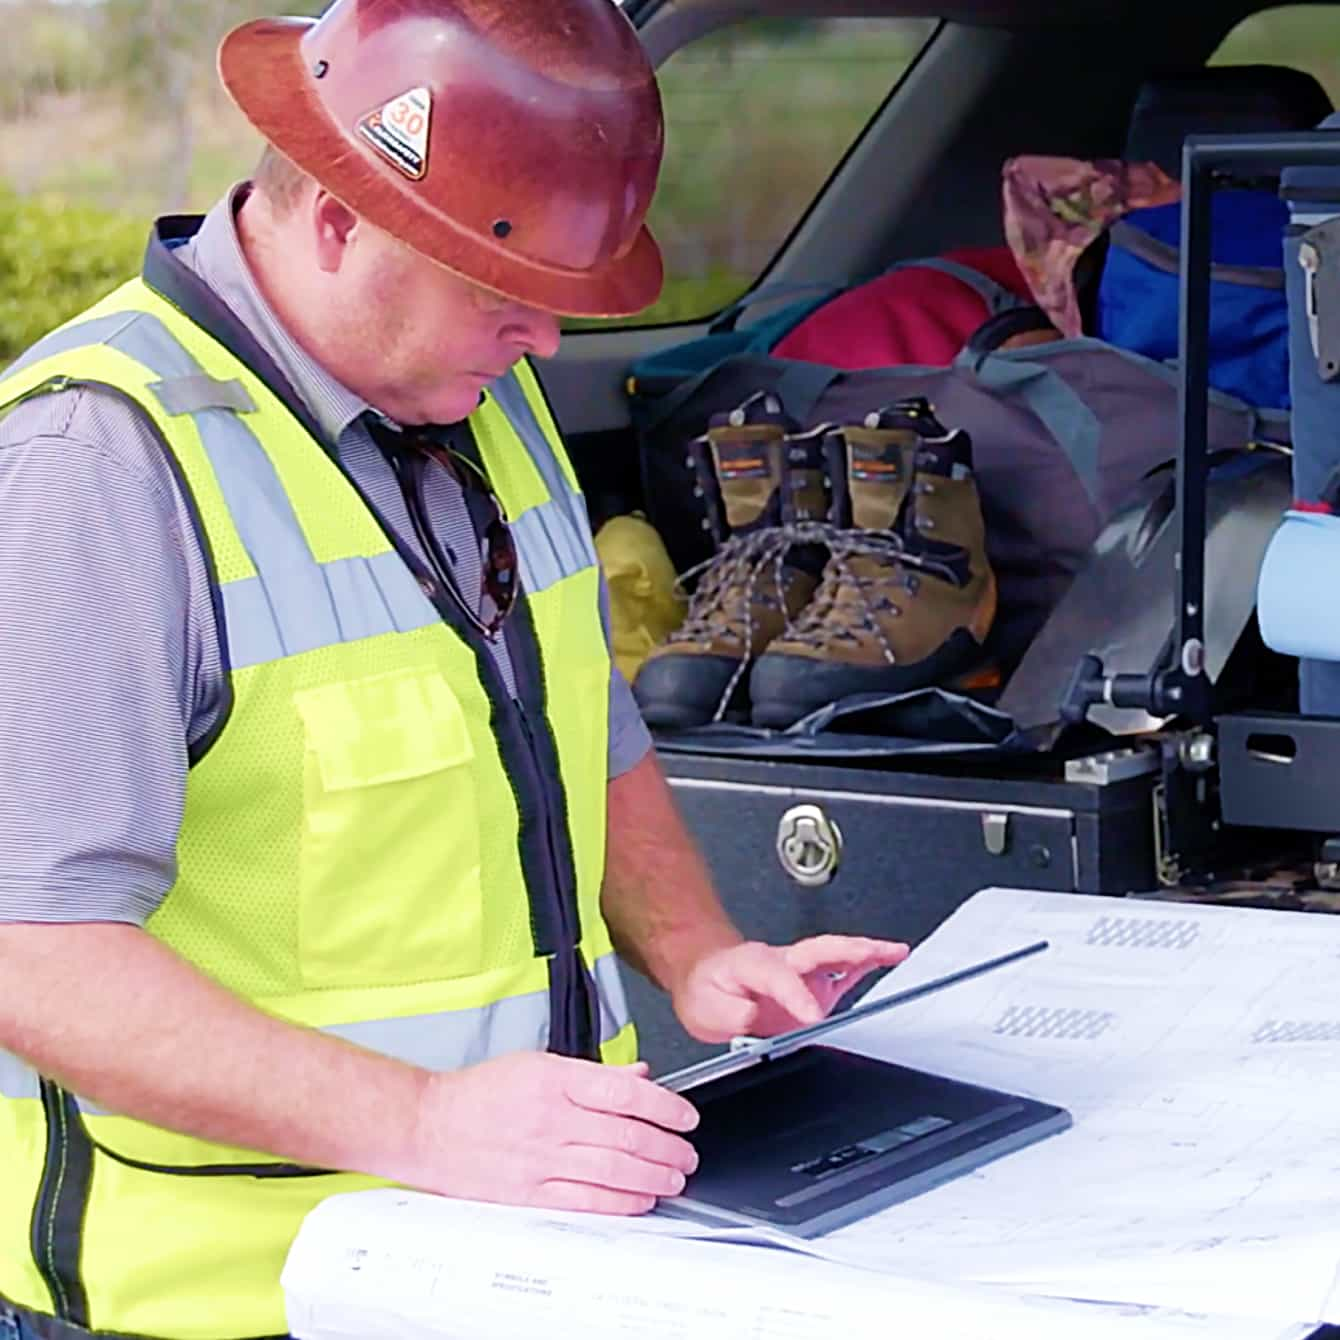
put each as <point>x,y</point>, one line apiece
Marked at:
<point>1209,162</point>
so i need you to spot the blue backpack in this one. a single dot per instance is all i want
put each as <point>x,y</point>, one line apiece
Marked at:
<point>1249,317</point>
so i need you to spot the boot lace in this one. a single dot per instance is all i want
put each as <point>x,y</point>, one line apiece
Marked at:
<point>848,600</point>
<point>751,567</point>
<point>747,568</point>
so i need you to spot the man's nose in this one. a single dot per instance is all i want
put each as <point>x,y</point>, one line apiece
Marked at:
<point>535,331</point>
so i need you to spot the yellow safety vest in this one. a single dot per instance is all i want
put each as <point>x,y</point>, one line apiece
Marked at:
<point>378,843</point>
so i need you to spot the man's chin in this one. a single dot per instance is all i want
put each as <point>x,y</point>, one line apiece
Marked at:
<point>442,409</point>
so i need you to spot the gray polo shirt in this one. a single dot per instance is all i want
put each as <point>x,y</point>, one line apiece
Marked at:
<point>110,664</point>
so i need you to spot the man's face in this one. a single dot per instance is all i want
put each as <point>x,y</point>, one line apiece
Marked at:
<point>420,343</point>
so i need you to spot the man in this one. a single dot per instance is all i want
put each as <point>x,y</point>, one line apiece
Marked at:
<point>311,738</point>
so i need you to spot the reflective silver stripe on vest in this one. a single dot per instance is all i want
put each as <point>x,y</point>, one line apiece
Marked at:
<point>362,597</point>
<point>466,1037</point>
<point>458,1038</point>
<point>17,1080</point>
<point>446,1041</point>
<point>101,330</point>
<point>614,1013</point>
<point>553,540</point>
<point>548,547</point>
<point>293,604</point>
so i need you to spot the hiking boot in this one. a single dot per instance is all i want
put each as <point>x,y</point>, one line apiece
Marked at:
<point>757,479</point>
<point>907,595</point>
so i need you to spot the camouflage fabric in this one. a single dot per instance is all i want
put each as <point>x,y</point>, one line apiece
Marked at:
<point>1054,208</point>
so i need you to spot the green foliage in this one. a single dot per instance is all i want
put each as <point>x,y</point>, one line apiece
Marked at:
<point>55,260</point>
<point>1306,37</point>
<point>153,48</point>
<point>685,298</point>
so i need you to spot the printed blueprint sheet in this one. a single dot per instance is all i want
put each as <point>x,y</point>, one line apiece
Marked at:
<point>400,1265</point>
<point>1198,1049</point>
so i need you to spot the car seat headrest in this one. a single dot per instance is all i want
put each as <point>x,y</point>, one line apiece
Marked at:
<point>1219,99</point>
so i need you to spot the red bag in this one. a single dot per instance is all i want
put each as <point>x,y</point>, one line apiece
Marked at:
<point>921,312</point>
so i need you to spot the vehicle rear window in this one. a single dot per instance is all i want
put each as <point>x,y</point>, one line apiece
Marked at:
<point>758,117</point>
<point>1306,37</point>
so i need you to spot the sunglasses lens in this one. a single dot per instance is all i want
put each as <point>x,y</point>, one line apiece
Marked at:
<point>500,570</point>
<point>499,548</point>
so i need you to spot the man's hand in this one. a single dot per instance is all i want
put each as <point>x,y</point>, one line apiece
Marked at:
<point>541,1130</point>
<point>761,990</point>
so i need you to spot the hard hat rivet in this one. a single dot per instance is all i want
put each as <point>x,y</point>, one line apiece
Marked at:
<point>320,68</point>
<point>502,228</point>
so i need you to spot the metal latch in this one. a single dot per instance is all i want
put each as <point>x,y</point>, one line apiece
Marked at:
<point>809,845</point>
<point>996,833</point>
<point>1317,256</point>
<point>1111,766</point>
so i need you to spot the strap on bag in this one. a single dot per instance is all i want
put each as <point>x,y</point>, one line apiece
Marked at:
<point>798,385</point>
<point>1057,405</point>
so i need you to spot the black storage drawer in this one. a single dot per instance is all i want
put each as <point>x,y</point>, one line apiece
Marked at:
<point>1278,771</point>
<point>913,847</point>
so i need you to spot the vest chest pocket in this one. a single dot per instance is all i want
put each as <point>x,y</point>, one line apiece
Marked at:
<point>390,889</point>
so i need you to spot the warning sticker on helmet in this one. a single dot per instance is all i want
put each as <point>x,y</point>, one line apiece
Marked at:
<point>399,131</point>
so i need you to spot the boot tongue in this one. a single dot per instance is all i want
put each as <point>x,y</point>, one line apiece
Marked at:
<point>748,463</point>
<point>805,496</point>
<point>880,463</point>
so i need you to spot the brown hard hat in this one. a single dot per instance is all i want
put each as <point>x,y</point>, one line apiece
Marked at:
<point>515,142</point>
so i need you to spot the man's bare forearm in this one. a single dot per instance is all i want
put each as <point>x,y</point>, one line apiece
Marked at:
<point>117,1017</point>
<point>658,897</point>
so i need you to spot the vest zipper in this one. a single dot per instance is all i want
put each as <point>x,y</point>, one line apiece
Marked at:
<point>564,910</point>
<point>572,986</point>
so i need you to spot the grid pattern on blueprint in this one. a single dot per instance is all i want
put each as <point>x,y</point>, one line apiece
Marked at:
<point>1142,933</point>
<point>1046,1021</point>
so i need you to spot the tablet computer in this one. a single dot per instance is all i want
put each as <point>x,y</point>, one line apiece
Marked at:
<point>820,1137</point>
<point>805,1138</point>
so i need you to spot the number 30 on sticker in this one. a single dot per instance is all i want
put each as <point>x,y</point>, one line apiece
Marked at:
<point>405,116</point>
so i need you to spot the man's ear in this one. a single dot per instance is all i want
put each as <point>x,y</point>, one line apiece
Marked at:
<point>335,226</point>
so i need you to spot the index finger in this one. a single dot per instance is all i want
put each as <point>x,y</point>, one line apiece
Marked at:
<point>844,951</point>
<point>626,1093</point>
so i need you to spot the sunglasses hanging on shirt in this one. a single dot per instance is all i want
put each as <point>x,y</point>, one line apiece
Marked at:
<point>421,450</point>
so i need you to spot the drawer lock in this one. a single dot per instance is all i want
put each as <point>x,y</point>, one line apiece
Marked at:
<point>809,845</point>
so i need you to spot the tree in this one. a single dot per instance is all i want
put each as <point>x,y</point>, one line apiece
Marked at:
<point>161,53</point>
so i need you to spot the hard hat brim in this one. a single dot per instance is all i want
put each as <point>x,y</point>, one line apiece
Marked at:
<point>262,67</point>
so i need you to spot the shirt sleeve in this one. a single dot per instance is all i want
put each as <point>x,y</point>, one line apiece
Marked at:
<point>629,738</point>
<point>102,683</point>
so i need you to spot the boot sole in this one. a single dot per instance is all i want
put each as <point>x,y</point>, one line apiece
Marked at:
<point>822,684</point>
<point>677,692</point>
